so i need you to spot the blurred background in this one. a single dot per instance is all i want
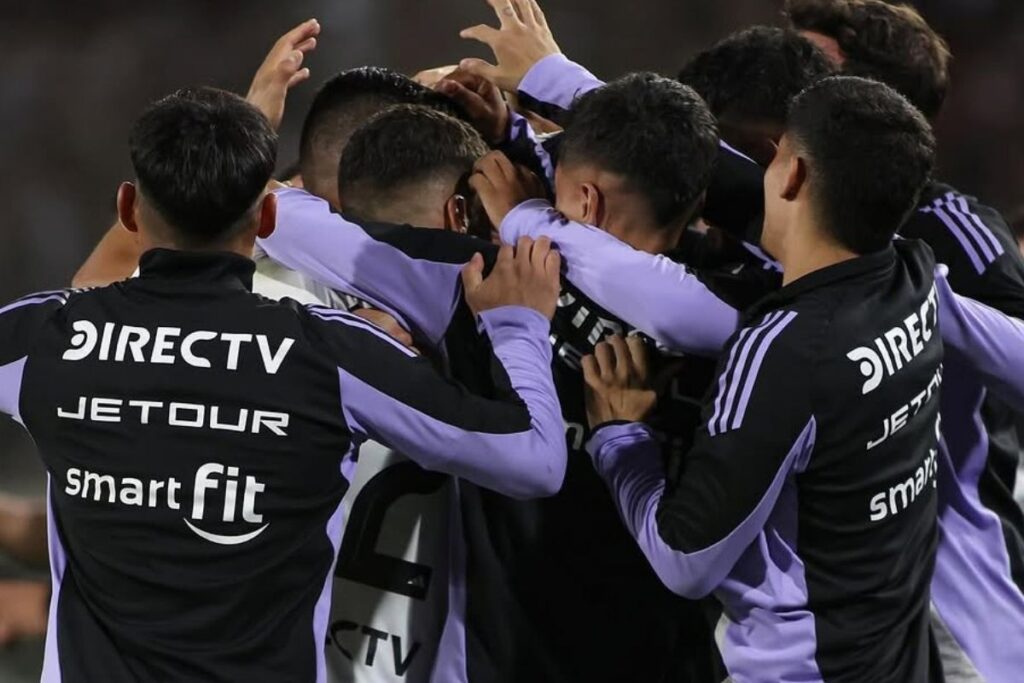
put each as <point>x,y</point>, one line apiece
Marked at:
<point>75,74</point>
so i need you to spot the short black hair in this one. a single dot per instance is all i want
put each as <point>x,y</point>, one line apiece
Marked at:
<point>343,104</point>
<point>202,157</point>
<point>400,147</point>
<point>654,132</point>
<point>891,43</point>
<point>870,153</point>
<point>752,75</point>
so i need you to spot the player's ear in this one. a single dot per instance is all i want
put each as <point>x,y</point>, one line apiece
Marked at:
<point>456,215</point>
<point>592,204</point>
<point>126,197</point>
<point>796,176</point>
<point>267,216</point>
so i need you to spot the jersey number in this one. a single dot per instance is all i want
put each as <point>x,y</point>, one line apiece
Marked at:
<point>358,559</point>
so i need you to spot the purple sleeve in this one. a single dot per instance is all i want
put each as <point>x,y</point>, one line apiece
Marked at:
<point>654,294</point>
<point>557,81</point>
<point>628,458</point>
<point>20,323</point>
<point>515,447</point>
<point>313,240</point>
<point>521,132</point>
<point>987,340</point>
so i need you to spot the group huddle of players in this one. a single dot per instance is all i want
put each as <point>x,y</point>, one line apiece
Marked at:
<point>523,376</point>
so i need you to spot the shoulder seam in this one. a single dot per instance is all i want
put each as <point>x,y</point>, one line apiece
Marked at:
<point>736,383</point>
<point>978,241</point>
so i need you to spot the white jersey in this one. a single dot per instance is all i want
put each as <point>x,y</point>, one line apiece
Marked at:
<point>390,596</point>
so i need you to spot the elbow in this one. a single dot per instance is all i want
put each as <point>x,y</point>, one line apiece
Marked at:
<point>686,584</point>
<point>545,478</point>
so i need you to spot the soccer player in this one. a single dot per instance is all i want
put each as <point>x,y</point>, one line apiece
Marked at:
<point>748,80</point>
<point>975,541</point>
<point>807,502</point>
<point>406,165</point>
<point>226,474</point>
<point>343,104</point>
<point>409,165</point>
<point>894,44</point>
<point>564,572</point>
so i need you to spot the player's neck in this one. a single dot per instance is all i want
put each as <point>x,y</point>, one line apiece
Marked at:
<point>809,251</point>
<point>241,244</point>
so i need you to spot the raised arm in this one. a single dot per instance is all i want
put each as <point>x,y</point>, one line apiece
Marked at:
<point>654,294</point>
<point>986,340</point>
<point>515,445</point>
<point>312,239</point>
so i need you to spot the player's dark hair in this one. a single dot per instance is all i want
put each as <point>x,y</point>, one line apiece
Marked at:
<point>752,75</point>
<point>655,132</point>
<point>869,152</point>
<point>202,157</point>
<point>343,104</point>
<point>891,43</point>
<point>399,148</point>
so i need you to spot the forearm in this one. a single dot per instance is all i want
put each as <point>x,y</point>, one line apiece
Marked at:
<point>514,444</point>
<point>987,340</point>
<point>115,258</point>
<point>652,293</point>
<point>556,82</point>
<point>629,460</point>
<point>520,341</point>
<point>340,254</point>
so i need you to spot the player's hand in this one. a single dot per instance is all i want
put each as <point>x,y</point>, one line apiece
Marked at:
<point>482,102</point>
<point>387,322</point>
<point>282,70</point>
<point>429,78</point>
<point>528,276</point>
<point>502,186</point>
<point>523,40</point>
<point>617,382</point>
<point>23,610</point>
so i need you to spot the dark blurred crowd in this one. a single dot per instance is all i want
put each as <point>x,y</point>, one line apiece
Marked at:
<point>76,74</point>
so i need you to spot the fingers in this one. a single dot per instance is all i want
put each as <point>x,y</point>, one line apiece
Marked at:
<point>473,272</point>
<point>638,356</point>
<point>538,14</point>
<point>305,30</point>
<point>495,166</point>
<point>623,362</point>
<point>479,67</point>
<point>298,77</point>
<point>523,262</point>
<point>482,33</point>
<point>553,267</point>
<point>506,257</point>
<point>605,356</point>
<point>539,254</point>
<point>591,372</point>
<point>307,45</point>
<point>475,105</point>
<point>524,12</point>
<point>506,11</point>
